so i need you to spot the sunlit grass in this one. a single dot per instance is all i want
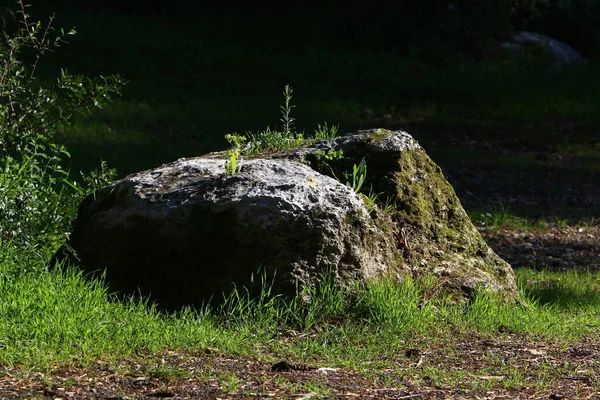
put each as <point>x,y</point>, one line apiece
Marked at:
<point>59,315</point>
<point>501,217</point>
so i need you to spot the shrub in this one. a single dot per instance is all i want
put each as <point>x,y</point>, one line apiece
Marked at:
<point>37,200</point>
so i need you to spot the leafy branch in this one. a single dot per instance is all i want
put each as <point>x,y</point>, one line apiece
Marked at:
<point>37,200</point>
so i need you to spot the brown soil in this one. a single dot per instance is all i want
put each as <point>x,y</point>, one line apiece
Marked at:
<point>474,368</point>
<point>555,248</point>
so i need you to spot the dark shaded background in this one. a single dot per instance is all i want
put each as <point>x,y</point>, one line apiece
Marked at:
<point>426,27</point>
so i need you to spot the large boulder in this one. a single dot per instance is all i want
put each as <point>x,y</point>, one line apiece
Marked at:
<point>187,231</point>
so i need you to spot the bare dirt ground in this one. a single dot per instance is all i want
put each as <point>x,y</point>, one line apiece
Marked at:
<point>555,248</point>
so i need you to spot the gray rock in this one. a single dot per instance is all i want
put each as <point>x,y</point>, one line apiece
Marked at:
<point>186,231</point>
<point>562,54</point>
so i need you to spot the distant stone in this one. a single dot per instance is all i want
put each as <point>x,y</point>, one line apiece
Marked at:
<point>561,53</point>
<point>186,231</point>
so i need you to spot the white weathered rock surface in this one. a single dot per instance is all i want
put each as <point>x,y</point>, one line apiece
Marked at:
<point>186,231</point>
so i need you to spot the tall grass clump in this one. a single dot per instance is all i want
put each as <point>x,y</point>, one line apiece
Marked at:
<point>37,199</point>
<point>572,291</point>
<point>399,307</point>
<point>56,316</point>
<point>387,304</point>
<point>552,304</point>
<point>272,140</point>
<point>264,308</point>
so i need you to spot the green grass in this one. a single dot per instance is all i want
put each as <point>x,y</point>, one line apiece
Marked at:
<point>51,316</point>
<point>501,217</point>
<point>59,316</point>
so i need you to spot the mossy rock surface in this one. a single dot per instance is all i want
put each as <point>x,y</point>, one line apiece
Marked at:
<point>434,232</point>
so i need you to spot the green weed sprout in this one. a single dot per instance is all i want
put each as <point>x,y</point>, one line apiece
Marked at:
<point>372,201</point>
<point>286,109</point>
<point>231,164</point>
<point>272,140</point>
<point>356,179</point>
<point>324,132</point>
<point>330,154</point>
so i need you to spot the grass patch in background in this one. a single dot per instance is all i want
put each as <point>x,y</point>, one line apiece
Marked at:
<point>501,217</point>
<point>188,87</point>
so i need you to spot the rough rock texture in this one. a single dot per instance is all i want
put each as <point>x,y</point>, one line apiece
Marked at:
<point>186,231</point>
<point>434,232</point>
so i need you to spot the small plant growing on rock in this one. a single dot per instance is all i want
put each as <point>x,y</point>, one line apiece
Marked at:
<point>356,179</point>
<point>286,109</point>
<point>273,140</point>
<point>231,164</point>
<point>372,202</point>
<point>324,132</point>
<point>330,154</point>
